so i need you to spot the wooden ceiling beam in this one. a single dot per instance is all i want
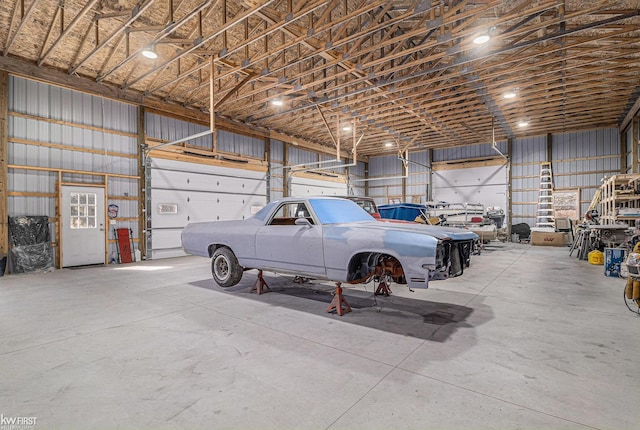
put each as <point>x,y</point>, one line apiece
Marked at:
<point>164,32</point>
<point>11,36</point>
<point>135,14</point>
<point>219,31</point>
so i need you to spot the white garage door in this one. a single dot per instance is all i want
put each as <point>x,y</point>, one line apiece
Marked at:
<point>187,192</point>
<point>486,185</point>
<point>304,186</point>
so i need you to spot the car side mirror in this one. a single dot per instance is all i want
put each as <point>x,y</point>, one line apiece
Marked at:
<point>302,221</point>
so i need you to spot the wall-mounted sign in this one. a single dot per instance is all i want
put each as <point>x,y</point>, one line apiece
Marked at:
<point>112,211</point>
<point>167,208</point>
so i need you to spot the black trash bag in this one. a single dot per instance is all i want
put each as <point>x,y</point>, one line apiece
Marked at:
<point>32,258</point>
<point>28,230</point>
<point>523,230</point>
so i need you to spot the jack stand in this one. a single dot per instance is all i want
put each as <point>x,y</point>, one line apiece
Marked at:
<point>261,285</point>
<point>338,300</point>
<point>383,289</point>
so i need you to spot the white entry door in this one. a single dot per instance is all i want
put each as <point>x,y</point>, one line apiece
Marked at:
<point>83,224</point>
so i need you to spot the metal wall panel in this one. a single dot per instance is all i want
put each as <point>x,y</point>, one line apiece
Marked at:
<point>302,156</point>
<point>384,189</point>
<point>305,187</point>
<point>170,129</point>
<point>581,159</point>
<point>77,109</point>
<point>527,155</point>
<point>470,151</point>
<point>629,139</point>
<point>357,172</point>
<point>418,182</point>
<point>200,192</point>
<point>240,144</point>
<point>485,185</point>
<point>276,172</point>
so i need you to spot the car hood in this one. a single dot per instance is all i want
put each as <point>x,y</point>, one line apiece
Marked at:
<point>442,233</point>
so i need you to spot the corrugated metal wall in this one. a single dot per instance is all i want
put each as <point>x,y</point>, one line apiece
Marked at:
<point>580,160</point>
<point>302,156</point>
<point>527,155</point>
<point>419,179</point>
<point>167,129</point>
<point>276,171</point>
<point>56,128</point>
<point>629,153</point>
<point>356,173</point>
<point>465,152</point>
<point>385,190</point>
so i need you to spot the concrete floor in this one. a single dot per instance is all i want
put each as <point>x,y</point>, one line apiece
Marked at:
<point>528,338</point>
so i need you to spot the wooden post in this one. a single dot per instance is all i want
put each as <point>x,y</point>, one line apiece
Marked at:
<point>430,194</point>
<point>212,109</point>
<point>509,207</point>
<point>4,214</point>
<point>267,157</point>
<point>142,197</point>
<point>285,172</point>
<point>634,144</point>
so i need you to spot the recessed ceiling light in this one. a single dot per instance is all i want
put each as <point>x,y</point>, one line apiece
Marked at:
<point>149,53</point>
<point>481,38</point>
<point>346,128</point>
<point>523,123</point>
<point>276,102</point>
<point>509,95</point>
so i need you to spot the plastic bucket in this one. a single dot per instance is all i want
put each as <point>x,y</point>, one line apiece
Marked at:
<point>596,257</point>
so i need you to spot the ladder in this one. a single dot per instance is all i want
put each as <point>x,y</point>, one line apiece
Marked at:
<point>544,216</point>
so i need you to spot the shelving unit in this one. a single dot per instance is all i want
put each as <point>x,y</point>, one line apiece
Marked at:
<point>620,193</point>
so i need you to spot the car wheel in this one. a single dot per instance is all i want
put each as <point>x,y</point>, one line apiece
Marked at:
<point>225,268</point>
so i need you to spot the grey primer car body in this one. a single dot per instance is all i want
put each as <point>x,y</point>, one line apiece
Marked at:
<point>326,238</point>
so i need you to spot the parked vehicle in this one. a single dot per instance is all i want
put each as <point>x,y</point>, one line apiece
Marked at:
<point>467,241</point>
<point>324,238</point>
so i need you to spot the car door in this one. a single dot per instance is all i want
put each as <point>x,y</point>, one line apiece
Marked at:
<point>283,245</point>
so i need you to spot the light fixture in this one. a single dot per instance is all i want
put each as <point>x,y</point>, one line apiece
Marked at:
<point>149,53</point>
<point>509,94</point>
<point>346,128</point>
<point>388,144</point>
<point>523,123</point>
<point>277,102</point>
<point>481,38</point>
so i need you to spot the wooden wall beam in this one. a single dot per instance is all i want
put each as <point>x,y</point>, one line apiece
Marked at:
<point>4,215</point>
<point>142,198</point>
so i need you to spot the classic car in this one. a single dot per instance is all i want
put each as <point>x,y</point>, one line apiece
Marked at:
<point>323,238</point>
<point>465,243</point>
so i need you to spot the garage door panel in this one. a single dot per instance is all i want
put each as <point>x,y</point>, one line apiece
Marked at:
<point>198,193</point>
<point>181,166</point>
<point>202,182</point>
<point>222,207</point>
<point>485,185</point>
<point>157,254</point>
<point>169,197</point>
<point>304,187</point>
<point>167,238</point>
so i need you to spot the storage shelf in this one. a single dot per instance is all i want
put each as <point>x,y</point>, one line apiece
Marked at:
<point>619,192</point>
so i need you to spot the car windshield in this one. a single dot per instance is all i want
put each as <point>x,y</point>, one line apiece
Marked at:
<point>264,212</point>
<point>334,211</point>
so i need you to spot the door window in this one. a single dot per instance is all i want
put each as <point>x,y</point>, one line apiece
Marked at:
<point>83,210</point>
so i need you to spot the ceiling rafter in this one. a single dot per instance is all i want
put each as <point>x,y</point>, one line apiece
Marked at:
<point>404,69</point>
<point>11,36</point>
<point>65,32</point>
